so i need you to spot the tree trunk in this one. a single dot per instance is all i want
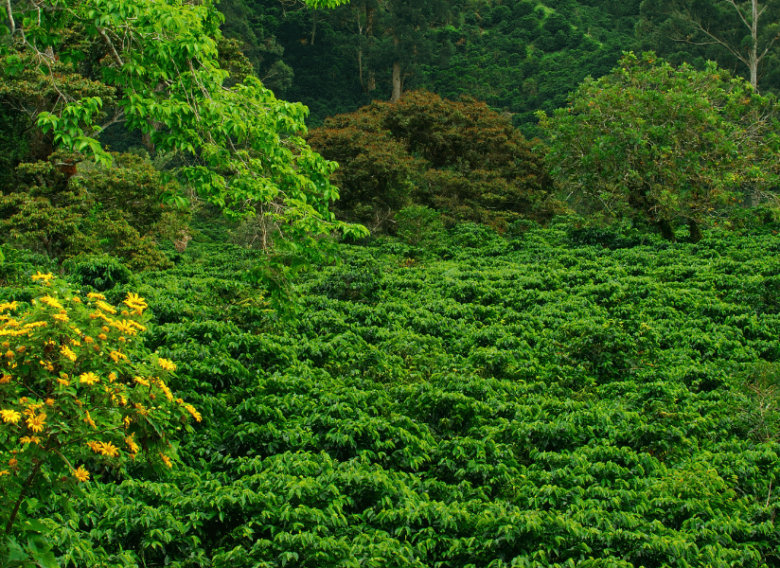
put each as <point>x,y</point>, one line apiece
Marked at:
<point>667,232</point>
<point>396,82</point>
<point>754,46</point>
<point>695,231</point>
<point>313,25</point>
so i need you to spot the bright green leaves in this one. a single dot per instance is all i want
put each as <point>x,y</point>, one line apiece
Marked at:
<point>658,144</point>
<point>237,147</point>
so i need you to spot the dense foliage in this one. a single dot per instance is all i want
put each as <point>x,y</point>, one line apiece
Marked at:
<point>661,145</point>
<point>518,56</point>
<point>70,70</point>
<point>460,158</point>
<point>561,396</point>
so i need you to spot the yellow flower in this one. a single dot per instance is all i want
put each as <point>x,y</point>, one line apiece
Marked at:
<point>136,325</point>
<point>35,324</point>
<point>89,378</point>
<point>88,339</point>
<point>40,276</point>
<point>29,440</point>
<point>141,409</point>
<point>195,414</point>
<point>76,300</point>
<point>94,446</point>
<point>166,364</point>
<point>127,420</point>
<point>11,416</point>
<point>8,306</point>
<point>68,352</point>
<point>21,349</point>
<point>4,472</point>
<point>136,303</point>
<point>64,382</point>
<point>105,307</point>
<point>166,390</point>
<point>36,423</point>
<point>9,354</point>
<point>95,296</point>
<point>102,336</point>
<point>131,444</point>
<point>141,381</point>
<point>166,460</point>
<point>81,474</point>
<point>12,462</point>
<point>124,327</point>
<point>49,402</point>
<point>62,317</point>
<point>5,379</point>
<point>51,302</point>
<point>116,356</point>
<point>111,377</point>
<point>89,420</point>
<point>109,449</point>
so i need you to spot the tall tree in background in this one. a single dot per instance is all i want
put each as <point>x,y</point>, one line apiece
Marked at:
<point>408,23</point>
<point>728,31</point>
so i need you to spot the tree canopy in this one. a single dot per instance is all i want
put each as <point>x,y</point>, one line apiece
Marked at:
<point>72,68</point>
<point>659,144</point>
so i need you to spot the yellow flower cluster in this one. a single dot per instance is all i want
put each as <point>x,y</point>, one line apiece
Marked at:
<point>95,381</point>
<point>166,365</point>
<point>104,448</point>
<point>135,303</point>
<point>46,278</point>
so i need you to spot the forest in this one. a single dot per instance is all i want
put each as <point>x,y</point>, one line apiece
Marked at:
<point>397,283</point>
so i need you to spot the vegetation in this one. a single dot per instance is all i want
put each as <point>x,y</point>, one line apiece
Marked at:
<point>458,157</point>
<point>614,404</point>
<point>549,353</point>
<point>658,144</point>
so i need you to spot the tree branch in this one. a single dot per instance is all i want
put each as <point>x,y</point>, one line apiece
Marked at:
<point>110,45</point>
<point>10,16</point>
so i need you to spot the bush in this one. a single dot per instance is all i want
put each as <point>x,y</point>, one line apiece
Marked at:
<point>78,393</point>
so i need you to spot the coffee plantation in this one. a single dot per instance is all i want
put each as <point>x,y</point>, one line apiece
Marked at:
<point>549,397</point>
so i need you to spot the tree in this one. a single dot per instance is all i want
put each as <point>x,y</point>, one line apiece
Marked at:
<point>659,144</point>
<point>729,31</point>
<point>73,67</point>
<point>461,158</point>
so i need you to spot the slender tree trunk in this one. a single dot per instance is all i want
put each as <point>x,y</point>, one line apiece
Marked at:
<point>313,25</point>
<point>371,86</point>
<point>396,74</point>
<point>754,46</point>
<point>695,231</point>
<point>396,82</point>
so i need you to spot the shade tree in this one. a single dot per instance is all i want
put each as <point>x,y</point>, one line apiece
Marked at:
<point>658,144</point>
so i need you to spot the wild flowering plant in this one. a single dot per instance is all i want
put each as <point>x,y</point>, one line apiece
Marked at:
<point>78,394</point>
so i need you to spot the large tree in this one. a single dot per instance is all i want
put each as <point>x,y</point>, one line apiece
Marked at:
<point>72,67</point>
<point>660,144</point>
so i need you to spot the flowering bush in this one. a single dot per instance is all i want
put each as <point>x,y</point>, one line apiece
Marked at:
<point>78,394</point>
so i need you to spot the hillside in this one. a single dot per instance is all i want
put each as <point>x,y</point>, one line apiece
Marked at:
<point>559,396</point>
